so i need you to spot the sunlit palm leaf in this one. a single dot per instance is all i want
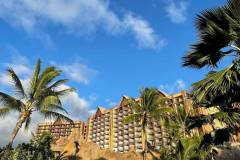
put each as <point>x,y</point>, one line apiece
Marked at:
<point>35,77</point>
<point>27,123</point>
<point>216,84</point>
<point>217,31</point>
<point>10,102</point>
<point>16,83</point>
<point>4,112</point>
<point>55,115</point>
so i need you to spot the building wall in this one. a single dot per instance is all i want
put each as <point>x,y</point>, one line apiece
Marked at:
<point>107,129</point>
<point>59,128</point>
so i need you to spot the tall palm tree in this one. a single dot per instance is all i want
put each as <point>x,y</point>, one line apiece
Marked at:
<point>218,34</point>
<point>43,96</point>
<point>219,37</point>
<point>151,107</point>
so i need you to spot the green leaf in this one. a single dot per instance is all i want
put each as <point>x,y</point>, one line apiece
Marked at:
<point>4,112</point>
<point>16,83</point>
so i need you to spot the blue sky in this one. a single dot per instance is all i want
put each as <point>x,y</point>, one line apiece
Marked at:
<point>107,48</point>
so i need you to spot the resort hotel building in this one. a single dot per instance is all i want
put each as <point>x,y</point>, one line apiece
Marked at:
<point>107,129</point>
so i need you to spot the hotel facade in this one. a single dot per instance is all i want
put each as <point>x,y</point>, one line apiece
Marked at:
<point>107,129</point>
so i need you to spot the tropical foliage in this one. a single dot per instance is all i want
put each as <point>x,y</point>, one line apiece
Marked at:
<point>150,107</point>
<point>218,33</point>
<point>38,149</point>
<point>42,95</point>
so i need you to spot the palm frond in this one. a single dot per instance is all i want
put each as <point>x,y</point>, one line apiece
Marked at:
<point>35,77</point>
<point>55,115</point>
<point>215,32</point>
<point>10,102</point>
<point>17,85</point>
<point>216,84</point>
<point>233,8</point>
<point>4,112</point>
<point>58,83</point>
<point>50,100</point>
<point>27,123</point>
<point>45,79</point>
<point>158,113</point>
<point>131,118</point>
<point>65,91</point>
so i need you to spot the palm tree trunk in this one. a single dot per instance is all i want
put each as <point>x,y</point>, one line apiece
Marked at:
<point>19,124</point>
<point>145,144</point>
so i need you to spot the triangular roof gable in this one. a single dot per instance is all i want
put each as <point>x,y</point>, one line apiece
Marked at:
<point>100,111</point>
<point>163,93</point>
<point>124,101</point>
<point>58,121</point>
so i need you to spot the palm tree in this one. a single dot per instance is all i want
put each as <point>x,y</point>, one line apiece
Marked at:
<point>219,37</point>
<point>43,96</point>
<point>218,33</point>
<point>151,107</point>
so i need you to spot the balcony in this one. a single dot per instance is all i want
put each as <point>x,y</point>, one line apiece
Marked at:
<point>120,149</point>
<point>138,146</point>
<point>115,145</point>
<point>138,129</point>
<point>138,140</point>
<point>157,135</point>
<point>138,134</point>
<point>106,146</point>
<point>157,129</point>
<point>120,138</point>
<point>126,148</point>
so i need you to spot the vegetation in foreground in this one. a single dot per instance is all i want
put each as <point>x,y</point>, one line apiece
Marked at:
<point>43,96</point>
<point>218,32</point>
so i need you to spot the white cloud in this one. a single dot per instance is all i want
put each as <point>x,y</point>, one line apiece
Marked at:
<point>76,17</point>
<point>78,107</point>
<point>18,63</point>
<point>8,123</point>
<point>4,79</point>
<point>78,72</point>
<point>143,33</point>
<point>177,11</point>
<point>177,86</point>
